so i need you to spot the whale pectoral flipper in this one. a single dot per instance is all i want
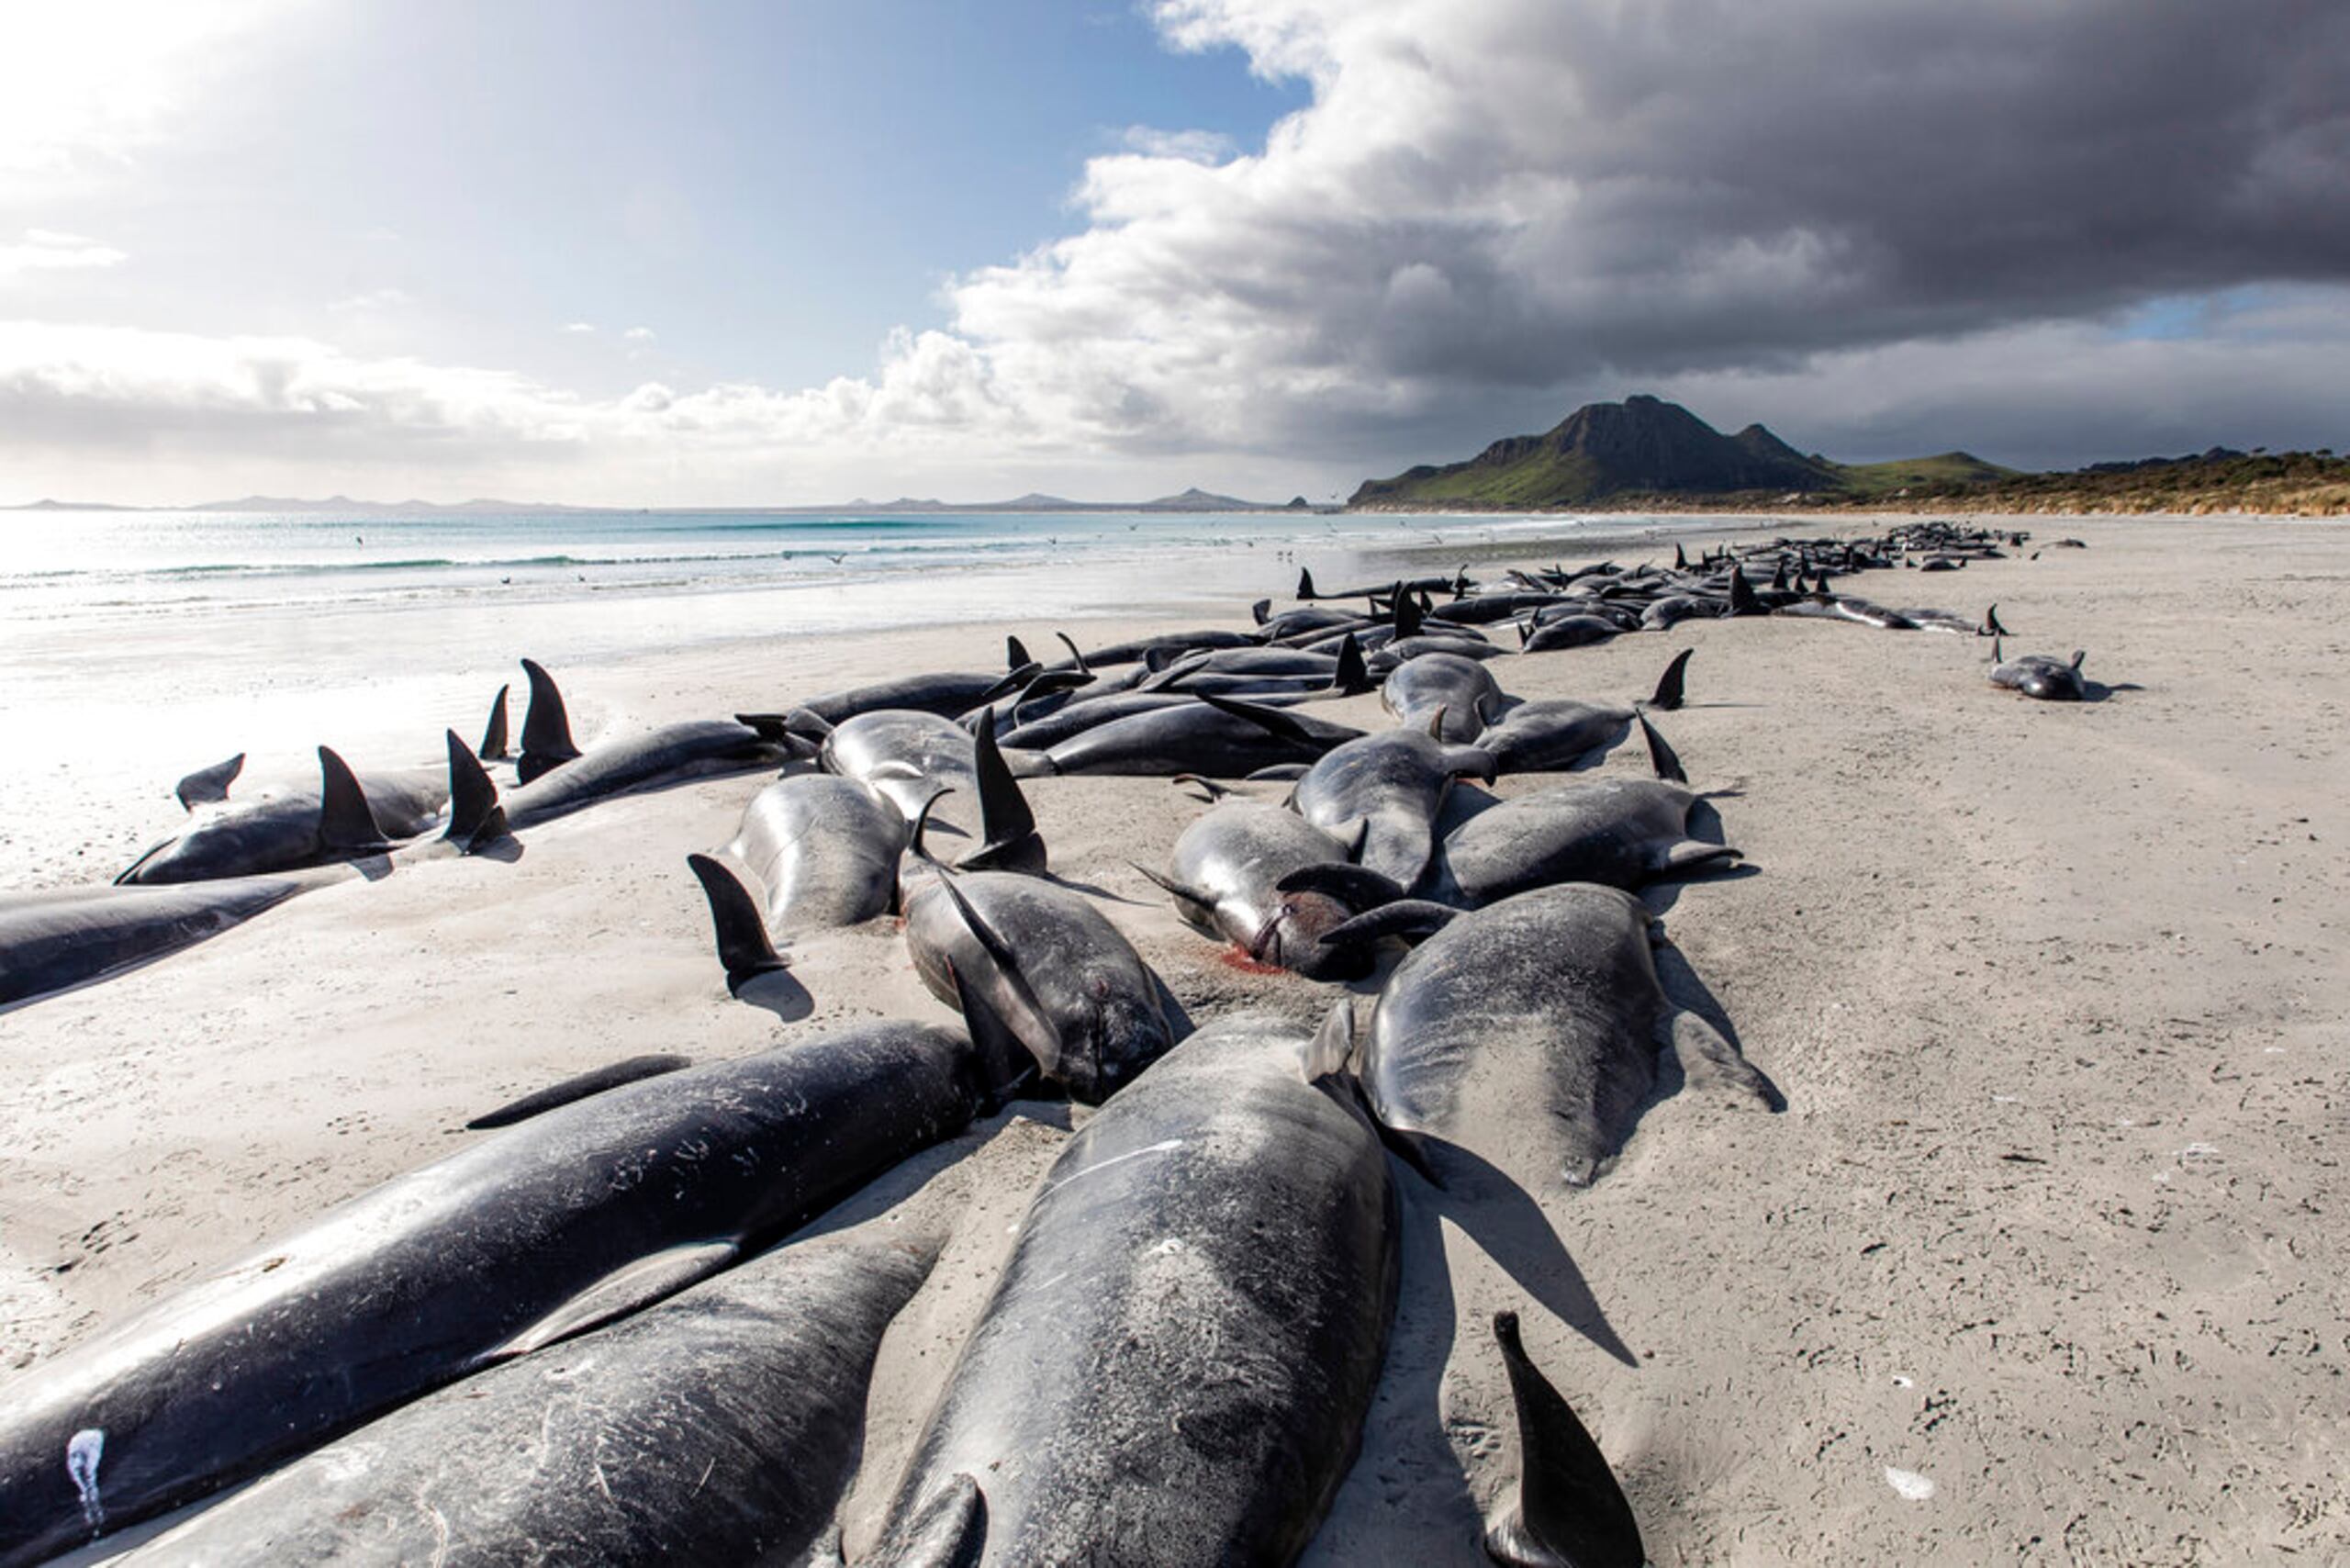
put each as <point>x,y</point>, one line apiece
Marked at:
<point>949,1531</point>
<point>1710,1061</point>
<point>1690,854</point>
<point>1007,964</point>
<point>1006,1063</point>
<point>1357,887</point>
<point>1570,1511</point>
<point>579,1087</point>
<point>636,1284</point>
<point>210,786</point>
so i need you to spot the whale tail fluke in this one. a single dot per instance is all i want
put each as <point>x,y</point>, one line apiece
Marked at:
<point>744,946</point>
<point>347,825</point>
<point>1669,690</point>
<point>210,786</point>
<point>546,727</point>
<point>475,816</point>
<point>1570,1510</point>
<point>494,742</point>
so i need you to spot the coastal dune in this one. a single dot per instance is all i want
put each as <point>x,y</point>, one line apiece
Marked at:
<point>2041,1261</point>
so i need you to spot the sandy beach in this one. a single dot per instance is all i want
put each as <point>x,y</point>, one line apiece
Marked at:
<point>2042,1261</point>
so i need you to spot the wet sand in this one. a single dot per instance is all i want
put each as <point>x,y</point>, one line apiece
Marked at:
<point>2051,1222</point>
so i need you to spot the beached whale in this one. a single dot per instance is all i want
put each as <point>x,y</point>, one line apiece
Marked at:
<point>1624,832</point>
<point>826,849</point>
<point>1178,1359</point>
<point>1026,960</point>
<point>1385,790</point>
<point>2040,676</point>
<point>572,1218</point>
<point>1527,1035</point>
<point>1225,875</point>
<point>52,940</point>
<point>696,748</point>
<point>1461,690</point>
<point>907,754</point>
<point>719,1425</point>
<point>345,818</point>
<point>1212,735</point>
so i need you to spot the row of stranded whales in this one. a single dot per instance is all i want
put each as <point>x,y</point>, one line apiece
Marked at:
<point>575,1217</point>
<point>593,1335</point>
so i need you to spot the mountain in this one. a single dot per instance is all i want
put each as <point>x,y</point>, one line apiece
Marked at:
<point>1642,445</point>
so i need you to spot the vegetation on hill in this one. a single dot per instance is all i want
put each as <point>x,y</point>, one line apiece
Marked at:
<point>1647,454</point>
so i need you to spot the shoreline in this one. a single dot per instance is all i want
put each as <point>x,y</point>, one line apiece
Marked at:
<point>2049,993</point>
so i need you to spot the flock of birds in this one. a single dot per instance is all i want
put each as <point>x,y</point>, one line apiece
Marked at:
<point>586,1336</point>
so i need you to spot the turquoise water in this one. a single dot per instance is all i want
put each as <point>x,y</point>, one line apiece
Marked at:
<point>136,646</point>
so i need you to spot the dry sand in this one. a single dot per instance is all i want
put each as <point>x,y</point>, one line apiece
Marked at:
<point>2051,1220</point>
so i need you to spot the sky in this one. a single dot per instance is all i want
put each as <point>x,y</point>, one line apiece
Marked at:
<point>793,252</point>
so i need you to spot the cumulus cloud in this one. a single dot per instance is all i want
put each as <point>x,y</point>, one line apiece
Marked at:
<point>1489,199</point>
<point>45,249</point>
<point>1879,225</point>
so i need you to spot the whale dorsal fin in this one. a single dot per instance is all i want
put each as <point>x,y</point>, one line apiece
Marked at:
<point>1304,584</point>
<point>1407,614</point>
<point>1083,667</point>
<point>346,825</point>
<point>1262,610</point>
<point>922,821</point>
<point>2078,655</point>
<point>949,1529</point>
<point>744,946</point>
<point>546,727</point>
<point>1015,653</point>
<point>1008,837</point>
<point>1670,693</point>
<point>1742,592</point>
<point>1570,1508</point>
<point>475,816</point>
<point>210,786</point>
<point>493,737</point>
<point>1352,676</point>
<point>1269,719</point>
<point>1661,758</point>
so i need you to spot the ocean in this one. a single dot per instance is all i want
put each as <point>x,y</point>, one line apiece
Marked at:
<point>135,646</point>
